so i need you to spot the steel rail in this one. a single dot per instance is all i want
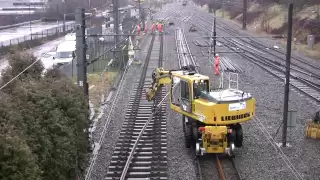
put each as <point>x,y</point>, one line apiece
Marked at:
<point>156,107</point>
<point>239,177</point>
<point>254,43</point>
<point>220,170</point>
<point>300,83</point>
<point>186,50</point>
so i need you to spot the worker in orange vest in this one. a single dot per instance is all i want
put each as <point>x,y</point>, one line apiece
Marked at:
<point>145,28</point>
<point>153,27</point>
<point>160,28</point>
<point>138,29</point>
<point>217,64</point>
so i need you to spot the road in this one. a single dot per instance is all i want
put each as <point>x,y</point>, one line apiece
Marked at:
<point>23,32</point>
<point>44,52</point>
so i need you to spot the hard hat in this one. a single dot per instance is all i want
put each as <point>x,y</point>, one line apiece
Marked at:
<point>217,55</point>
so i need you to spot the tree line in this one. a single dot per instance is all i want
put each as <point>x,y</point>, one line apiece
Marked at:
<point>43,123</point>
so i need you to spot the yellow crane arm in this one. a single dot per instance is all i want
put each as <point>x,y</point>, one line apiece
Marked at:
<point>160,77</point>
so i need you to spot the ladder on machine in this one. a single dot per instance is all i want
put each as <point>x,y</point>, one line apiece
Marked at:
<point>233,80</point>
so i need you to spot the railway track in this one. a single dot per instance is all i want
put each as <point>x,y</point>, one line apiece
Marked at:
<point>298,65</point>
<point>301,78</point>
<point>141,150</point>
<point>185,59</point>
<point>184,54</point>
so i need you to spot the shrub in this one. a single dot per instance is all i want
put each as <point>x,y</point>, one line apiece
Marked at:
<point>51,114</point>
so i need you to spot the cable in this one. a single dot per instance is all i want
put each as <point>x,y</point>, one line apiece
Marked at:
<point>281,153</point>
<point>31,64</point>
<point>101,139</point>
<point>34,62</point>
<point>102,136</point>
<point>96,58</point>
<point>158,107</point>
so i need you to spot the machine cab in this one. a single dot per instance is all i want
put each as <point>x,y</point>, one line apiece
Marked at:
<point>191,96</point>
<point>185,89</point>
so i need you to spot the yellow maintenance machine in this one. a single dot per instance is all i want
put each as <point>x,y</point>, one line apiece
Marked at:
<point>211,119</point>
<point>313,127</point>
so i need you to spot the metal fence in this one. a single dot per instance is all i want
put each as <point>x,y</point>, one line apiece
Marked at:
<point>104,71</point>
<point>39,35</point>
<point>99,61</point>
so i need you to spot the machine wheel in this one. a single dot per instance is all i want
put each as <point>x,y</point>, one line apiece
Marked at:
<point>198,150</point>
<point>239,136</point>
<point>195,134</point>
<point>187,130</point>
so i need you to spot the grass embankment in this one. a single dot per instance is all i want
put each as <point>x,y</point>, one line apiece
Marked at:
<point>272,19</point>
<point>98,85</point>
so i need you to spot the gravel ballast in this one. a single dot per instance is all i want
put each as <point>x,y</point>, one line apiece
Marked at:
<point>113,129</point>
<point>180,159</point>
<point>258,158</point>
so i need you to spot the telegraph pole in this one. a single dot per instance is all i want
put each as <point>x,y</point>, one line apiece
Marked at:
<point>81,51</point>
<point>222,8</point>
<point>287,82</point>
<point>214,34</point>
<point>116,24</point>
<point>141,16</point>
<point>244,16</point>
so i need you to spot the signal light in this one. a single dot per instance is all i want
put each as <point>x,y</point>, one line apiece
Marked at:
<point>202,129</point>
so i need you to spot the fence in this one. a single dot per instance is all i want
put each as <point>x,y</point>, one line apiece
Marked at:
<point>39,35</point>
<point>103,71</point>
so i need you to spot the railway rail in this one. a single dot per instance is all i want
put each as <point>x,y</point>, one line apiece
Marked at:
<point>185,59</point>
<point>236,175</point>
<point>141,150</point>
<point>184,54</point>
<point>298,65</point>
<point>302,78</point>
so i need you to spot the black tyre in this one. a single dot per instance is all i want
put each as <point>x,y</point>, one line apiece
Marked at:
<point>187,131</point>
<point>239,136</point>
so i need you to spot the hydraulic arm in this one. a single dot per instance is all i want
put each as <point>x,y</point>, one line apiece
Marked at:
<point>160,77</point>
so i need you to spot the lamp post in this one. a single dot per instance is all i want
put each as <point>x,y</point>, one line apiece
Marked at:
<point>30,22</point>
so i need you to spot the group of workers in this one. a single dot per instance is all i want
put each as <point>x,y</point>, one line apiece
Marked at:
<point>159,27</point>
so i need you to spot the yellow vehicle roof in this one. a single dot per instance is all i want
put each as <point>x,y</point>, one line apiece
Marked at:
<point>191,77</point>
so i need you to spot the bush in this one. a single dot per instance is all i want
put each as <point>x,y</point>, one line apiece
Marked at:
<point>51,113</point>
<point>16,158</point>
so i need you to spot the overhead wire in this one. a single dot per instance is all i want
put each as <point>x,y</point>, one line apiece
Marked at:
<point>106,124</point>
<point>279,150</point>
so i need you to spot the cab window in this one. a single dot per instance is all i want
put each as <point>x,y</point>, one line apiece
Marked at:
<point>185,92</point>
<point>200,87</point>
